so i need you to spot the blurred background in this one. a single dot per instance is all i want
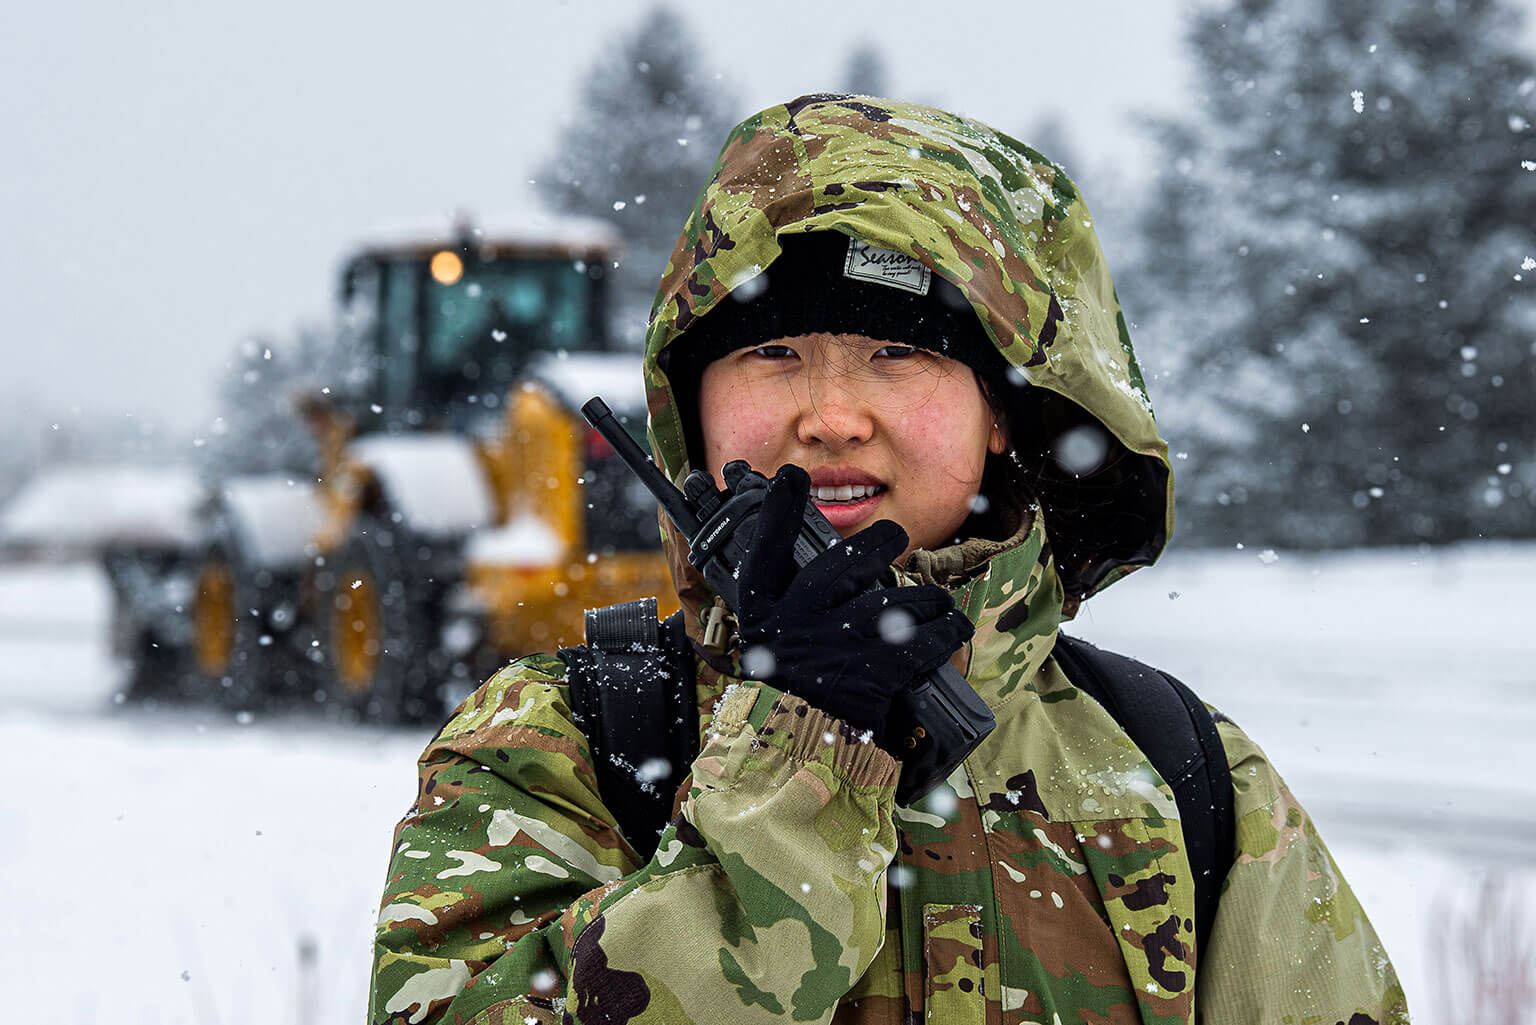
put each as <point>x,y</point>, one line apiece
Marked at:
<point>300,302</point>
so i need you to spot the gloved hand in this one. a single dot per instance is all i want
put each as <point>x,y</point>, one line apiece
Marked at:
<point>828,638</point>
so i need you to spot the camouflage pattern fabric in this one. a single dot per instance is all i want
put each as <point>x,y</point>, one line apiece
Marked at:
<point>1045,882</point>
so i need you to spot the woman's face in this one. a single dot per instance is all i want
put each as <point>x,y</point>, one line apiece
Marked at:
<point>886,431</point>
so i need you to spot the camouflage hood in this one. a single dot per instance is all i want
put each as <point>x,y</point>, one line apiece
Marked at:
<point>992,217</point>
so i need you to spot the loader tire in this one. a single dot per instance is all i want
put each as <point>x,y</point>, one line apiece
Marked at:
<point>157,672</point>
<point>379,626</point>
<point>231,649</point>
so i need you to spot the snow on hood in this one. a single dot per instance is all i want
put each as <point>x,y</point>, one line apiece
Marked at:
<point>987,213</point>
<point>577,376</point>
<point>276,517</point>
<point>91,506</point>
<point>525,542</point>
<point>433,480</point>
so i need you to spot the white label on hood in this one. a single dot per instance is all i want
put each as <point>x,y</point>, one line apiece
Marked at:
<point>871,263</point>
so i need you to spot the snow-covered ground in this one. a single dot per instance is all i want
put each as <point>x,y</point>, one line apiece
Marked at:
<point>181,867</point>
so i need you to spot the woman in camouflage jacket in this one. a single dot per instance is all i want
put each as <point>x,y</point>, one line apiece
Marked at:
<point>1044,882</point>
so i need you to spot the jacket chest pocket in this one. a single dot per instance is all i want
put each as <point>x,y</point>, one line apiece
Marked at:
<point>952,964</point>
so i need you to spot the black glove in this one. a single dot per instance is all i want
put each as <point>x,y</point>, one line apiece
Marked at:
<point>820,632</point>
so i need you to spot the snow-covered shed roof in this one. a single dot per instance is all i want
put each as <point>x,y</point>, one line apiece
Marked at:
<point>85,506</point>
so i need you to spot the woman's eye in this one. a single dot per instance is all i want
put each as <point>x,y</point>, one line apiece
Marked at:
<point>773,351</point>
<point>896,351</point>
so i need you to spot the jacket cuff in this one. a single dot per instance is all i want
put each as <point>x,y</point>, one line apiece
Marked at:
<point>802,733</point>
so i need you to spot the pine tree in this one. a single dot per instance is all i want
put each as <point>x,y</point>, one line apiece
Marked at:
<point>865,74</point>
<point>259,428</point>
<point>637,149</point>
<point>1331,276</point>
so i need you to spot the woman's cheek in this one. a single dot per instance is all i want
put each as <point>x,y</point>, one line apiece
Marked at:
<point>931,436</point>
<point>945,446</point>
<point>745,435</point>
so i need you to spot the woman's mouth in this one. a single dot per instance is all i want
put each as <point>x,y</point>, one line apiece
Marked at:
<point>845,492</point>
<point>846,504</point>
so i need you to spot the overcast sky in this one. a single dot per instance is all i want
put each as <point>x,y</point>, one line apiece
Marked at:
<point>180,176</point>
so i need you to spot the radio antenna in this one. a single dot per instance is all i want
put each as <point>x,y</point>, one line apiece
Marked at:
<point>637,459</point>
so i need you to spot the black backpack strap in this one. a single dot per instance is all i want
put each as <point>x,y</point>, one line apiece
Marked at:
<point>632,694</point>
<point>1176,732</point>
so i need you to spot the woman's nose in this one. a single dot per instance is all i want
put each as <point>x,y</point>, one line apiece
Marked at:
<point>835,414</point>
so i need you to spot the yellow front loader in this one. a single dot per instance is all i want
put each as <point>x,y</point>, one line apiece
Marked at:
<point>462,513</point>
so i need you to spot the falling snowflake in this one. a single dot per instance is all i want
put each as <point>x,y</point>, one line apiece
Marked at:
<point>758,662</point>
<point>897,626</point>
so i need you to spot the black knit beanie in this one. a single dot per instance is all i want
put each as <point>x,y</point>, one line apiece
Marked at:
<point>828,282</point>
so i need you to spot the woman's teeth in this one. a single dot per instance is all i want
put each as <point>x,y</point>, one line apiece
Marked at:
<point>845,492</point>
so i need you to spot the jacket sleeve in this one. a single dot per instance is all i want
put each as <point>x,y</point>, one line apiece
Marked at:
<point>1290,941</point>
<point>511,897</point>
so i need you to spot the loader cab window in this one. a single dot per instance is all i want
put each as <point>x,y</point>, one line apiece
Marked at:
<point>449,333</point>
<point>398,338</point>
<point>483,325</point>
<point>357,341</point>
<point>362,289</point>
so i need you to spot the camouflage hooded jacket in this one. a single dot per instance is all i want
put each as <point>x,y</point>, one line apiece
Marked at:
<point>1044,883</point>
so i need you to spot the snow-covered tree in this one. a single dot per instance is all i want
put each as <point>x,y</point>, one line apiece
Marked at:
<point>1337,280</point>
<point>259,428</point>
<point>865,72</point>
<point>637,148</point>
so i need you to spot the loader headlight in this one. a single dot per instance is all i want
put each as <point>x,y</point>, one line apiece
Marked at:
<point>446,267</point>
